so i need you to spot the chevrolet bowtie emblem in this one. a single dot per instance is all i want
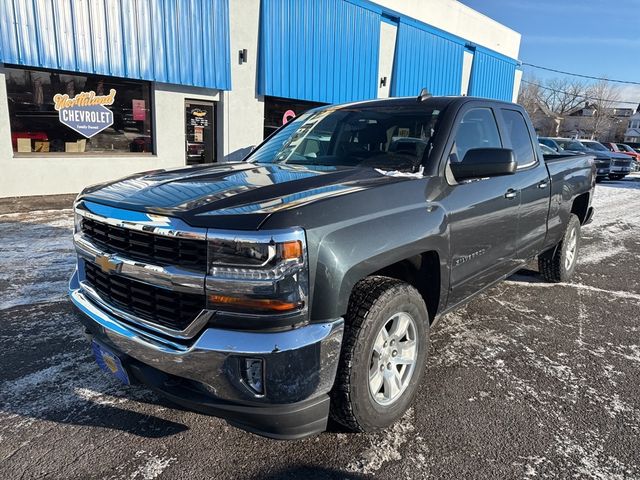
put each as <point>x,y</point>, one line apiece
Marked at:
<point>108,264</point>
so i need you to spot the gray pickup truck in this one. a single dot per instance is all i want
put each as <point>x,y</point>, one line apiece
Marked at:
<point>301,283</point>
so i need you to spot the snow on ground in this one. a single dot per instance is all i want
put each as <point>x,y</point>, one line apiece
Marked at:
<point>37,256</point>
<point>615,220</point>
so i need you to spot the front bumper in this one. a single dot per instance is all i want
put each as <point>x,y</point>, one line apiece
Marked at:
<point>204,374</point>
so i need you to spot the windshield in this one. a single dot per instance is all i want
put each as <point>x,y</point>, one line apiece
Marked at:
<point>546,150</point>
<point>391,138</point>
<point>571,145</point>
<point>624,148</point>
<point>595,146</point>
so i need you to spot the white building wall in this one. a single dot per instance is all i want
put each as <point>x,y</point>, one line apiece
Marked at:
<point>467,63</point>
<point>388,34</point>
<point>454,17</point>
<point>242,111</point>
<point>57,173</point>
<point>516,85</point>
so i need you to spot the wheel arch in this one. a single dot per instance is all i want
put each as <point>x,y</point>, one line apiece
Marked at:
<point>580,207</point>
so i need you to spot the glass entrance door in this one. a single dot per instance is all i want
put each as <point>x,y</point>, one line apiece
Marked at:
<point>199,132</point>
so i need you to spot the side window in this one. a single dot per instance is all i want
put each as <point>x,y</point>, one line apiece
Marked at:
<point>520,138</point>
<point>477,129</point>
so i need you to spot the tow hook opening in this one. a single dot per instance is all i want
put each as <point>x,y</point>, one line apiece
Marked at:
<point>252,373</point>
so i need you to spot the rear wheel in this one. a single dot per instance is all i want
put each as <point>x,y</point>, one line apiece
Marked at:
<point>383,355</point>
<point>559,263</point>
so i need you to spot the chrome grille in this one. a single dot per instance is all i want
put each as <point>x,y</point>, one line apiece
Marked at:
<point>172,309</point>
<point>147,247</point>
<point>621,163</point>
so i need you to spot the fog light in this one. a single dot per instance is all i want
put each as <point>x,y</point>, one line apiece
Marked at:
<point>253,374</point>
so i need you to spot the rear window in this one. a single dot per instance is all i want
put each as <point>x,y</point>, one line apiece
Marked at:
<point>572,145</point>
<point>595,146</point>
<point>520,139</point>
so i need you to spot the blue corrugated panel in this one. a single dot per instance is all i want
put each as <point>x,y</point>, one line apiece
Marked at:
<point>427,58</point>
<point>173,41</point>
<point>321,50</point>
<point>492,75</point>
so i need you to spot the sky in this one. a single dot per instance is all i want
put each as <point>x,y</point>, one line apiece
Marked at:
<point>591,37</point>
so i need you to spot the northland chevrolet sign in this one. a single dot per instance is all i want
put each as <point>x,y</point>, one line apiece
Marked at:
<point>86,112</point>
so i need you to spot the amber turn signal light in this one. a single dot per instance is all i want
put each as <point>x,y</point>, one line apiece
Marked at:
<point>252,303</point>
<point>292,249</point>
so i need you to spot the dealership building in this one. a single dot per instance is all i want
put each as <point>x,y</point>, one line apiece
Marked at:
<point>93,90</point>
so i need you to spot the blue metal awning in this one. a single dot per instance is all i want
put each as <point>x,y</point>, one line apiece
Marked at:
<point>426,58</point>
<point>322,50</point>
<point>492,75</point>
<point>183,42</point>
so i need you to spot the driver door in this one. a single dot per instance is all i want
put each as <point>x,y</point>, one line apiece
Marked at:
<point>483,213</point>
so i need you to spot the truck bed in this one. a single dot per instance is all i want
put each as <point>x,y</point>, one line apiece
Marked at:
<point>568,174</point>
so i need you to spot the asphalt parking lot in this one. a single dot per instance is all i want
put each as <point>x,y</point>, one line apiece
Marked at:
<point>530,380</point>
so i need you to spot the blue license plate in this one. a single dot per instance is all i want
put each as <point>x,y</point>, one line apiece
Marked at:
<point>109,362</point>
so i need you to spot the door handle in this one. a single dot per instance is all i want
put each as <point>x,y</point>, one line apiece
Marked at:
<point>511,194</point>
<point>543,184</point>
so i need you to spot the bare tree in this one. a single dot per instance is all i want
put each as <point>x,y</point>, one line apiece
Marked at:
<point>562,95</point>
<point>529,95</point>
<point>603,96</point>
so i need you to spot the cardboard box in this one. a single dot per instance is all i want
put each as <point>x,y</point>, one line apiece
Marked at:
<point>71,147</point>
<point>24,145</point>
<point>41,146</point>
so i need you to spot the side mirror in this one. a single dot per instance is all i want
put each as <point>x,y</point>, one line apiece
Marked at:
<point>485,162</point>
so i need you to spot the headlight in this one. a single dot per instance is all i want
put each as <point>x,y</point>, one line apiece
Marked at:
<point>258,275</point>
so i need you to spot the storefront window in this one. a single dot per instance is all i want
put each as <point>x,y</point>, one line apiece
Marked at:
<point>278,111</point>
<point>52,111</point>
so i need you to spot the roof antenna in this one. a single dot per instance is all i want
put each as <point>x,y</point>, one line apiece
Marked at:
<point>424,94</point>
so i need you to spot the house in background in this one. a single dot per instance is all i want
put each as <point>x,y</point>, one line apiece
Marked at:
<point>586,121</point>
<point>632,133</point>
<point>546,122</point>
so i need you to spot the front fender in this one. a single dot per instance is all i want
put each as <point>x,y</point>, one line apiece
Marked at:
<point>356,250</point>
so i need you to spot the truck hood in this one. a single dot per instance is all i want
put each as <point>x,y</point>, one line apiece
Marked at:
<point>234,195</point>
<point>608,155</point>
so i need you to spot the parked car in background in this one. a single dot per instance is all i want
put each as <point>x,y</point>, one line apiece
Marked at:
<point>601,160</point>
<point>621,164</point>
<point>622,148</point>
<point>550,143</point>
<point>550,147</point>
<point>635,146</point>
<point>627,150</point>
<point>547,150</point>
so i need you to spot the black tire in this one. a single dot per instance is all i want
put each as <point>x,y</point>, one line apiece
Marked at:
<point>374,300</point>
<point>553,263</point>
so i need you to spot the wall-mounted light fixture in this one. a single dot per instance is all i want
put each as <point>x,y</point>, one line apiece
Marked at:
<point>242,57</point>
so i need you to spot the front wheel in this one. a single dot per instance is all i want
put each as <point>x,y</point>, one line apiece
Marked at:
<point>383,356</point>
<point>559,263</point>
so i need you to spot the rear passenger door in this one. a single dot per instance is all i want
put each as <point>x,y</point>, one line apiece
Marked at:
<point>483,213</point>
<point>532,180</point>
